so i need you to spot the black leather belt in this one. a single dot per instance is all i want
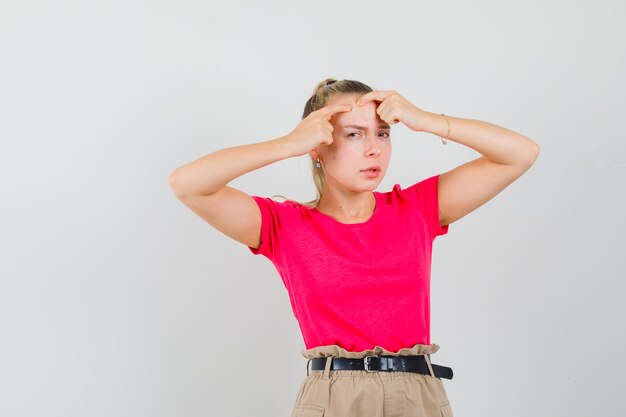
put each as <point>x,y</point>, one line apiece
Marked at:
<point>415,363</point>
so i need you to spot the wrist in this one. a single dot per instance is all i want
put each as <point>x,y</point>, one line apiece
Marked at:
<point>283,147</point>
<point>436,124</point>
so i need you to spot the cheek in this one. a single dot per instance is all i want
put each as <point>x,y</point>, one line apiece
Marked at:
<point>353,147</point>
<point>339,147</point>
<point>349,152</point>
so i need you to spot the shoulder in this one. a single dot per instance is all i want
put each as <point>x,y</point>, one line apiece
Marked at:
<point>283,206</point>
<point>412,190</point>
<point>414,193</point>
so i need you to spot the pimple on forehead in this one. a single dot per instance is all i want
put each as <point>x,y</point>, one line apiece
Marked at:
<point>344,99</point>
<point>364,126</point>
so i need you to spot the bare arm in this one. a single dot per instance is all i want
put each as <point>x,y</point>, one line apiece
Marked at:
<point>201,184</point>
<point>209,174</point>
<point>506,155</point>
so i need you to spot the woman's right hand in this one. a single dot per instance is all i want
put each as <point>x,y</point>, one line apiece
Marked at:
<point>314,130</point>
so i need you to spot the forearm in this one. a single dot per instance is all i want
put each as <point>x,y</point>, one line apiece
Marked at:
<point>496,143</point>
<point>212,172</point>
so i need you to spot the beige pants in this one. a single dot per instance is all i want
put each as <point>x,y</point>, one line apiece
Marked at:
<point>358,393</point>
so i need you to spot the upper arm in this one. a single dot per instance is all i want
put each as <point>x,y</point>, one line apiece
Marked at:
<point>469,186</point>
<point>230,211</point>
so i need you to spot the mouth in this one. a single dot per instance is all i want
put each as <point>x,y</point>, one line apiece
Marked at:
<point>372,172</point>
<point>373,168</point>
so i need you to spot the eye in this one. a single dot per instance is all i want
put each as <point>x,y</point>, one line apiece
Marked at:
<point>385,134</point>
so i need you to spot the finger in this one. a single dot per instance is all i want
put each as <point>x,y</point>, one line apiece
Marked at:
<point>335,108</point>
<point>384,114</point>
<point>327,140</point>
<point>378,95</point>
<point>382,107</point>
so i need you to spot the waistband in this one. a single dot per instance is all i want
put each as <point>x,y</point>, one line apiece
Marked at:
<point>324,356</point>
<point>338,351</point>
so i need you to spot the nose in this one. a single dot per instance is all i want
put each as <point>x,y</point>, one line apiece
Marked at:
<point>372,147</point>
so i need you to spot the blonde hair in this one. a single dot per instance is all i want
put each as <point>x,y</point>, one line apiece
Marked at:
<point>322,92</point>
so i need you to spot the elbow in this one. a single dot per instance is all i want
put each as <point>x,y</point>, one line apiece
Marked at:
<point>533,152</point>
<point>536,150</point>
<point>173,183</point>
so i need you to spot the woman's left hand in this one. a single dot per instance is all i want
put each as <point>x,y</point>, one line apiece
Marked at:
<point>394,108</point>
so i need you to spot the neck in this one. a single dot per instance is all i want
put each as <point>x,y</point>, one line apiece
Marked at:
<point>347,207</point>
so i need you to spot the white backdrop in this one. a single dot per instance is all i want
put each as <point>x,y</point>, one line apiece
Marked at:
<point>117,300</point>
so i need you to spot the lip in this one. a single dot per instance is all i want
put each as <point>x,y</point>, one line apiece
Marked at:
<point>376,168</point>
<point>371,174</point>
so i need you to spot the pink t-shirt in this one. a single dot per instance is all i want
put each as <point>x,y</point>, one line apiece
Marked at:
<point>357,285</point>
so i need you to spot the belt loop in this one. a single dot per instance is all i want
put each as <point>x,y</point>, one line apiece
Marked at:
<point>307,366</point>
<point>329,361</point>
<point>430,368</point>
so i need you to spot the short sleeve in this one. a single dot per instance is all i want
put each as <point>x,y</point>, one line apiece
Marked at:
<point>428,195</point>
<point>270,226</point>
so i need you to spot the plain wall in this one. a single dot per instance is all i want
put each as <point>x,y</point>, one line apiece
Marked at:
<point>117,300</point>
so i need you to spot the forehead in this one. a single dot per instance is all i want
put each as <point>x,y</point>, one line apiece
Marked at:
<point>344,99</point>
<point>360,115</point>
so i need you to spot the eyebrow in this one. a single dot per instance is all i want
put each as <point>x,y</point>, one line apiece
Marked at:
<point>382,126</point>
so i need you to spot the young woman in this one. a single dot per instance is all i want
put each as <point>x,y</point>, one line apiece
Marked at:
<point>356,262</point>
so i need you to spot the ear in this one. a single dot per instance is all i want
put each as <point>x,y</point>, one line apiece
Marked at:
<point>314,154</point>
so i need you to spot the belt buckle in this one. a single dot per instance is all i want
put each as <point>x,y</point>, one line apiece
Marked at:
<point>366,363</point>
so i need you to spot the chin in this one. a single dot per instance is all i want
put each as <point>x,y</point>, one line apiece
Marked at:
<point>371,186</point>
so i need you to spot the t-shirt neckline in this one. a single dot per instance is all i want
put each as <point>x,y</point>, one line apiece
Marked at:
<point>365,223</point>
